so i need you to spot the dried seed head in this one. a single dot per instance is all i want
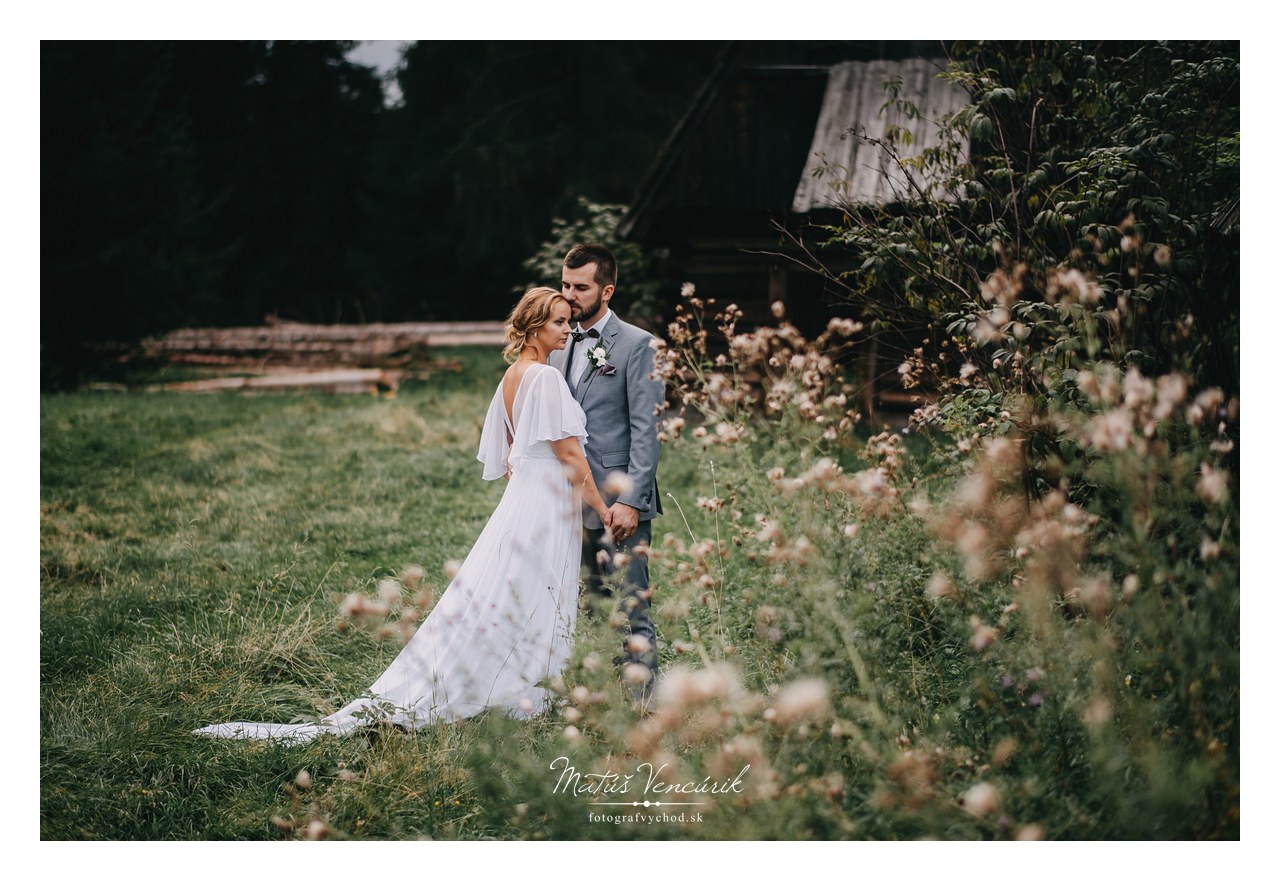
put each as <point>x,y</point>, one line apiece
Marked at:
<point>804,698</point>
<point>980,799</point>
<point>638,644</point>
<point>389,591</point>
<point>618,483</point>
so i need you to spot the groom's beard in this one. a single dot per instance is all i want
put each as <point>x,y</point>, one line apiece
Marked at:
<point>590,312</point>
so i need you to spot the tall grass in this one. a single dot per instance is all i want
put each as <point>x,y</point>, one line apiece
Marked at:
<point>819,642</point>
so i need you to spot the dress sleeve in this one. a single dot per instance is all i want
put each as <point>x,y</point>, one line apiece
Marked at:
<point>551,413</point>
<point>495,448</point>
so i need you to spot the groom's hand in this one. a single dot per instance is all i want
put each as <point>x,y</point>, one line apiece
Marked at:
<point>625,520</point>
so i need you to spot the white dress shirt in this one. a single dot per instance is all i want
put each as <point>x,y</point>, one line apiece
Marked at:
<point>579,366</point>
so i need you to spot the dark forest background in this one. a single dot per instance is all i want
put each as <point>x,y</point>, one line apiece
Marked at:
<point>218,183</point>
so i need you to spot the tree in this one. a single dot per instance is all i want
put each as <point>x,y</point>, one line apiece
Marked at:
<point>1113,167</point>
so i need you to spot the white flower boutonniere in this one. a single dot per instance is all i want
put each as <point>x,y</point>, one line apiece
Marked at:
<point>598,357</point>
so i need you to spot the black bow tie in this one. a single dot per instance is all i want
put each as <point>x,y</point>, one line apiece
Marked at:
<point>579,335</point>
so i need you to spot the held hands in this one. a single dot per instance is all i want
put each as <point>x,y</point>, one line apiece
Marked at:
<point>622,522</point>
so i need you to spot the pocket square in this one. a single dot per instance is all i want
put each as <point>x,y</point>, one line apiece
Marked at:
<point>608,370</point>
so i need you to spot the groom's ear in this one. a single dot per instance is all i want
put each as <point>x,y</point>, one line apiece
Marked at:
<point>607,293</point>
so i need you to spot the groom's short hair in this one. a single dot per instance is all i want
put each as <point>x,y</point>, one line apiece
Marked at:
<point>602,257</point>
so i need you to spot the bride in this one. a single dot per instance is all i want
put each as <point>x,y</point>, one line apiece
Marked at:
<point>506,621</point>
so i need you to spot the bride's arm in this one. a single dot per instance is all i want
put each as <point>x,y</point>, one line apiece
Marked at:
<point>569,451</point>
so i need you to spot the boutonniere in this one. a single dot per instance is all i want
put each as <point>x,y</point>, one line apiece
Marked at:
<point>598,357</point>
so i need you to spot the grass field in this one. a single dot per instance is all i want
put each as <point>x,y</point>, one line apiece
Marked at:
<point>193,549</point>
<point>879,681</point>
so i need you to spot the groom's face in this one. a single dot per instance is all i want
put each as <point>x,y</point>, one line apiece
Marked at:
<point>586,299</point>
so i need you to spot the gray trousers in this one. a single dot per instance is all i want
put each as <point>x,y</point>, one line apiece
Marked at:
<point>634,599</point>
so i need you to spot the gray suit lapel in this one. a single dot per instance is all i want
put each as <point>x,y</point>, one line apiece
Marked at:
<point>606,340</point>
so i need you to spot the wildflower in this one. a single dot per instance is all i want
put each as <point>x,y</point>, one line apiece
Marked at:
<point>1098,712</point>
<point>571,714</point>
<point>980,799</point>
<point>800,699</point>
<point>687,290</point>
<point>1130,586</point>
<point>618,483</point>
<point>451,568</point>
<point>1137,389</point>
<point>389,591</point>
<point>1111,431</point>
<point>940,587</point>
<point>1073,286</point>
<point>1094,595</point>
<point>1030,832</point>
<point>711,505</point>
<point>1209,549</point>
<point>636,674</point>
<point>1088,383</point>
<point>1209,400</point>
<point>1171,390</point>
<point>844,326</point>
<point>967,369</point>
<point>778,309</point>
<point>975,491</point>
<point>571,734</point>
<point>983,636</point>
<point>684,687</point>
<point>303,780</point>
<point>1212,485</point>
<point>317,830</point>
<point>412,576</point>
<point>638,644</point>
<point>352,605</point>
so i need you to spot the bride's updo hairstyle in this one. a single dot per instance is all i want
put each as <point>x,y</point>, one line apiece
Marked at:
<point>529,316</point>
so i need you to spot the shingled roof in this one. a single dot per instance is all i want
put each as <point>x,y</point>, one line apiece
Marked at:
<point>855,104</point>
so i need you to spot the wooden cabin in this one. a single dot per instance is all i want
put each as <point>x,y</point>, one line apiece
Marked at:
<point>738,170</point>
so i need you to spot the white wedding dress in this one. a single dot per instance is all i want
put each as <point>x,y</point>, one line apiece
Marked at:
<point>506,620</point>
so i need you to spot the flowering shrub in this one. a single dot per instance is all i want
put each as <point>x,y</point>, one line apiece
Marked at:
<point>1003,641</point>
<point>976,635</point>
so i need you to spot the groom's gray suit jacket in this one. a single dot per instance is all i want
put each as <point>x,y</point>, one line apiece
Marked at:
<point>622,415</point>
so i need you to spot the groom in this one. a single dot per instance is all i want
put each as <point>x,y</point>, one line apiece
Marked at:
<point>609,367</point>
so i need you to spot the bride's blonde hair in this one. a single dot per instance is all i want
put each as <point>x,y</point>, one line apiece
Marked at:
<point>529,316</point>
